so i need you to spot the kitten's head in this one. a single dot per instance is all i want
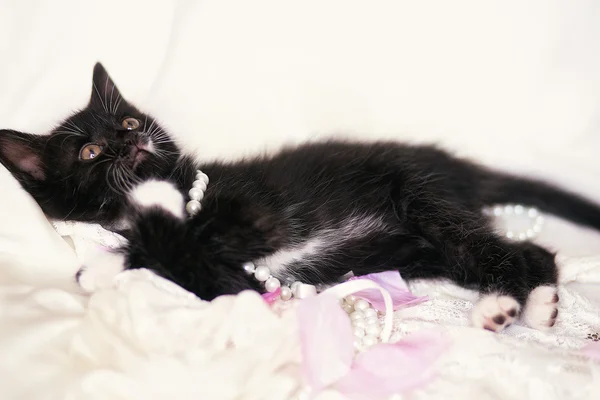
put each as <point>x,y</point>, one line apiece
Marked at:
<point>84,168</point>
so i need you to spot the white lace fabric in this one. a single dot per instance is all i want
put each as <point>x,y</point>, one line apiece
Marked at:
<point>237,342</point>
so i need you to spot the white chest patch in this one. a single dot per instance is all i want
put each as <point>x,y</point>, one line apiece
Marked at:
<point>278,260</point>
<point>322,243</point>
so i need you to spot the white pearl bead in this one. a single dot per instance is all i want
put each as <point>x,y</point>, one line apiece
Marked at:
<point>249,267</point>
<point>196,194</point>
<point>532,213</point>
<point>530,233</point>
<point>370,312</point>
<point>518,209</point>
<point>262,273</point>
<point>357,315</point>
<point>200,185</point>
<point>193,207</point>
<point>304,291</point>
<point>369,340</point>
<point>361,305</point>
<point>348,308</point>
<point>272,284</point>
<point>358,332</point>
<point>373,330</point>
<point>351,299</point>
<point>498,211</point>
<point>372,320</point>
<point>359,323</point>
<point>522,236</point>
<point>202,177</point>
<point>286,293</point>
<point>294,287</point>
<point>510,235</point>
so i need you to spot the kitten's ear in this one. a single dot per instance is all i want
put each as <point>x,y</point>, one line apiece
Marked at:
<point>21,154</point>
<point>105,94</point>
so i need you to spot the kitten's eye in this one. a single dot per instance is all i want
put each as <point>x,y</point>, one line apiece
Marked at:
<point>130,123</point>
<point>90,151</point>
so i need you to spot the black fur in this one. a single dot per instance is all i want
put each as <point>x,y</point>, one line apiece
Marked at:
<point>424,205</point>
<point>429,204</point>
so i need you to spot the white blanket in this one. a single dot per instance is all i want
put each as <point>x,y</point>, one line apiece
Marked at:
<point>146,338</point>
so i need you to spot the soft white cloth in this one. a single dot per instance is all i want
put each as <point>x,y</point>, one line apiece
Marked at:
<point>146,338</point>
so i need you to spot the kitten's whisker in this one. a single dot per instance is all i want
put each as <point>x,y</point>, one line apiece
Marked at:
<point>97,163</point>
<point>158,132</point>
<point>66,135</point>
<point>110,101</point>
<point>99,97</point>
<point>118,105</point>
<point>109,174</point>
<point>74,126</point>
<point>161,137</point>
<point>73,133</point>
<point>151,125</point>
<point>105,91</point>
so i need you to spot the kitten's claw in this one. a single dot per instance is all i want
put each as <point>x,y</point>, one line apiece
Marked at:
<point>99,271</point>
<point>542,308</point>
<point>162,194</point>
<point>495,312</point>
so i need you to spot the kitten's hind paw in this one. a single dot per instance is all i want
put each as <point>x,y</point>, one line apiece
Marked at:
<point>161,194</point>
<point>495,312</point>
<point>542,308</point>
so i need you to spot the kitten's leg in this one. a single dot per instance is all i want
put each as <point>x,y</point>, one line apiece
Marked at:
<point>541,307</point>
<point>195,254</point>
<point>505,272</point>
<point>530,278</point>
<point>158,197</point>
<point>456,244</point>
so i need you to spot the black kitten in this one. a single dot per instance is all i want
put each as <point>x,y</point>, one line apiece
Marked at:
<point>83,169</point>
<point>311,213</point>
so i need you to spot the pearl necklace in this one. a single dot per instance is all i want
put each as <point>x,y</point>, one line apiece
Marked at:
<point>368,328</point>
<point>534,220</point>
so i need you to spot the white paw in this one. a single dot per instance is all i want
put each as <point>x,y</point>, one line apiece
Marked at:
<point>541,308</point>
<point>163,194</point>
<point>100,269</point>
<point>495,312</point>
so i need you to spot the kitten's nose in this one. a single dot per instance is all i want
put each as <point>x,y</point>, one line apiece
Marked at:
<point>127,138</point>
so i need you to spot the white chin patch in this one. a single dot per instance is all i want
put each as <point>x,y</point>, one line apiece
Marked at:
<point>161,194</point>
<point>150,147</point>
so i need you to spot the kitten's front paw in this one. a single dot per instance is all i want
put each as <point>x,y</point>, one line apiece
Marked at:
<point>542,308</point>
<point>100,269</point>
<point>162,194</point>
<point>495,312</point>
